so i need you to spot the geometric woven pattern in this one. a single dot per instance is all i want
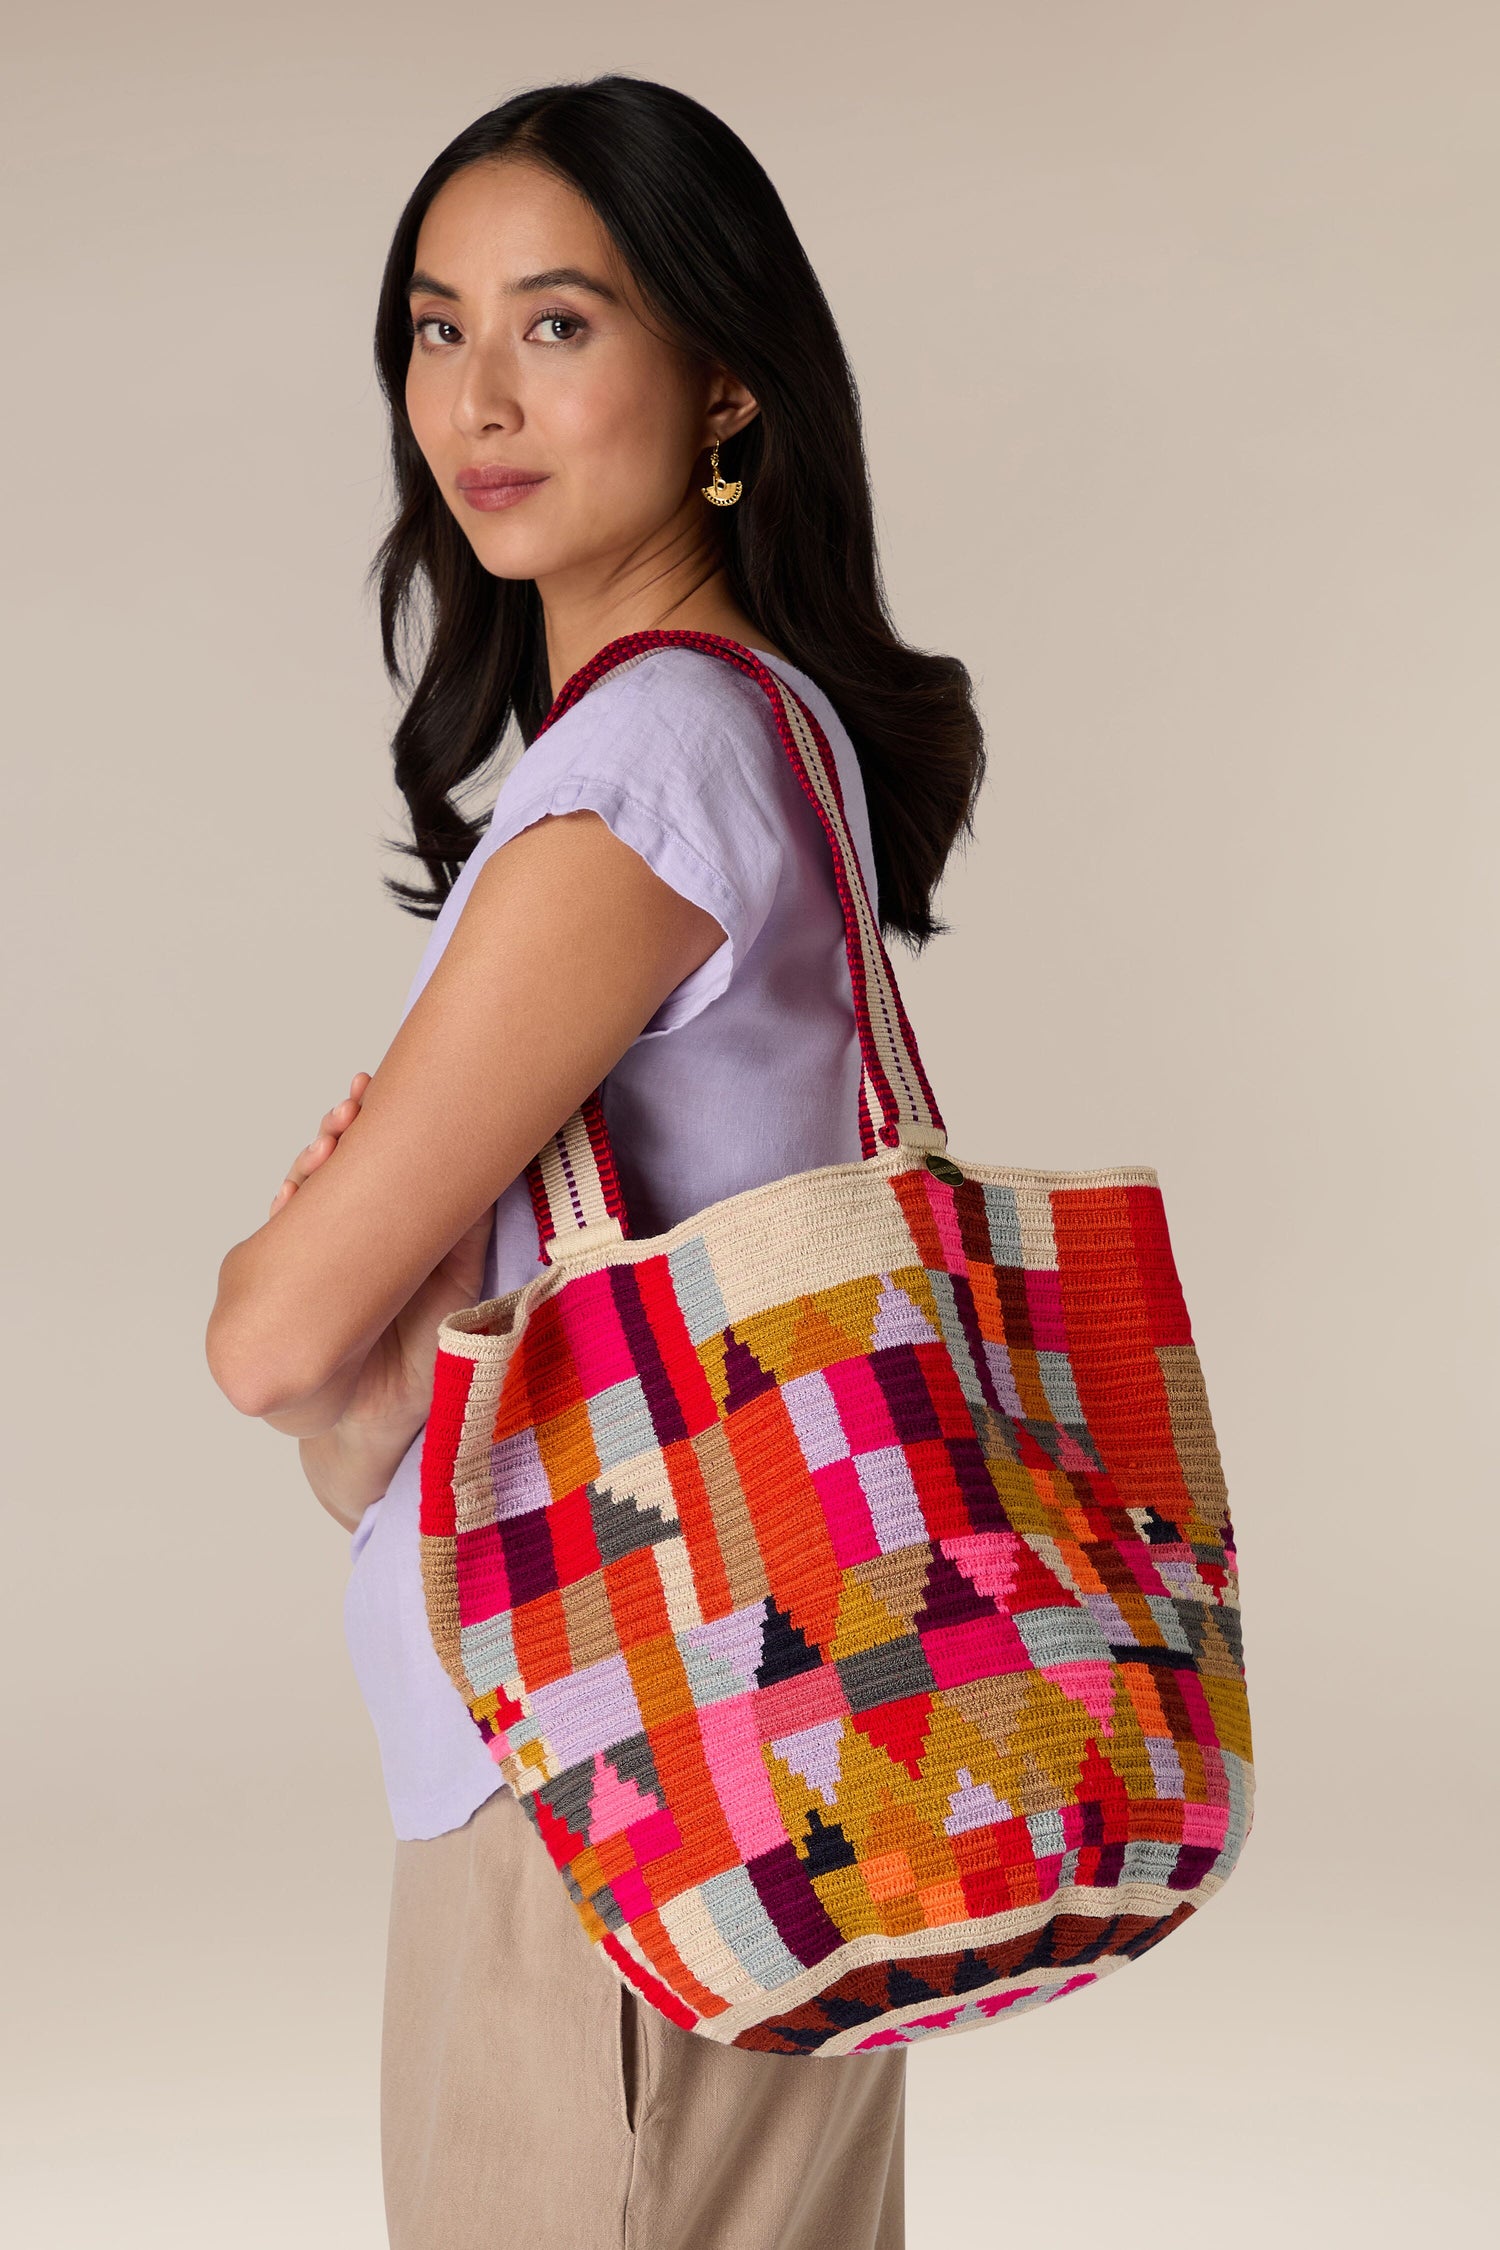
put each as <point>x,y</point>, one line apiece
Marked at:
<point>845,1583</point>
<point>869,1663</point>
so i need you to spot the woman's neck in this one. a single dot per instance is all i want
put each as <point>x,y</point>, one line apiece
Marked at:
<point>583,612</point>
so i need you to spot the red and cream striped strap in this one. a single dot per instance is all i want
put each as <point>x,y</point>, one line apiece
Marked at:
<point>575,1191</point>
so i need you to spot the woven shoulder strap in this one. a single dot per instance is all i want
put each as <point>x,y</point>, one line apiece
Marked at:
<point>575,1191</point>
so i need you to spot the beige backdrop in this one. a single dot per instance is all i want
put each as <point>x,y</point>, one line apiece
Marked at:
<point>1177,330</point>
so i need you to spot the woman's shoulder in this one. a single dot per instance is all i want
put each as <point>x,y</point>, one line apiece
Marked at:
<point>697,737</point>
<point>680,751</point>
<point>677,727</point>
<point>686,689</point>
<point>679,754</point>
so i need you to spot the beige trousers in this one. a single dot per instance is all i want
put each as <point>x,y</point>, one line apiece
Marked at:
<point>530,2099</point>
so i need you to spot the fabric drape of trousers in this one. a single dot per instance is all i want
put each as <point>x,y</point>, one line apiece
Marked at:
<point>530,2098</point>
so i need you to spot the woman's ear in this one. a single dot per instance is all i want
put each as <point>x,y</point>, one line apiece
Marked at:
<point>730,406</point>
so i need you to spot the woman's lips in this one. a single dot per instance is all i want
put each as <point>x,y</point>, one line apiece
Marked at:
<point>497,488</point>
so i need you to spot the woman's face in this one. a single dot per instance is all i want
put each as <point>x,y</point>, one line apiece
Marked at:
<point>532,353</point>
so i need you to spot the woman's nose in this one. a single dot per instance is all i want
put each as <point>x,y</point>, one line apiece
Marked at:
<point>486,397</point>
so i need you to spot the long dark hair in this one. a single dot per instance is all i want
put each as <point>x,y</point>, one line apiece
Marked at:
<point>715,256</point>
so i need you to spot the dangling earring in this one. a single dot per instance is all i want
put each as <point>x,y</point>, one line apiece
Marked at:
<point>721,494</point>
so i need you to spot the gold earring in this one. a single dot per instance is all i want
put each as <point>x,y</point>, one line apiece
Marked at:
<point>721,494</point>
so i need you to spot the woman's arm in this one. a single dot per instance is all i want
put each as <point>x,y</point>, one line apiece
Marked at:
<point>565,948</point>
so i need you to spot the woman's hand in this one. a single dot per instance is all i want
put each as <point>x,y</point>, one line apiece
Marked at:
<point>324,1142</point>
<point>350,1461</point>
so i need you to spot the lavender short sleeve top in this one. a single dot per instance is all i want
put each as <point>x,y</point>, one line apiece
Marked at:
<point>749,1070</point>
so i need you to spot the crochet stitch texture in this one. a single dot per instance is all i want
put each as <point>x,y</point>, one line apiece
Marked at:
<point>844,1579</point>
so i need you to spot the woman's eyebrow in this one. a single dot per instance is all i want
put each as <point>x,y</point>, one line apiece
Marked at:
<point>562,277</point>
<point>423,285</point>
<point>556,277</point>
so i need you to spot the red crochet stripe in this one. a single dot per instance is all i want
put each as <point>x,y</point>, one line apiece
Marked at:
<point>452,1378</point>
<point>659,1995</point>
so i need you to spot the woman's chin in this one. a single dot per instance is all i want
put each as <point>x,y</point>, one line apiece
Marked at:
<point>513,558</point>
<point>518,554</point>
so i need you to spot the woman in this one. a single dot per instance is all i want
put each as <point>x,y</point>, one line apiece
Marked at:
<point>618,402</point>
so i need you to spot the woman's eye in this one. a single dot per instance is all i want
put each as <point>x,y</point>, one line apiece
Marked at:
<point>432,320</point>
<point>555,321</point>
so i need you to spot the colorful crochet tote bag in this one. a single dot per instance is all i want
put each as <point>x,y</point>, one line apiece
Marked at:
<point>843,1580</point>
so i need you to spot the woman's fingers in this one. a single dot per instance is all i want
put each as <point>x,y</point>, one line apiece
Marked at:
<point>343,1114</point>
<point>318,1150</point>
<point>303,1166</point>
